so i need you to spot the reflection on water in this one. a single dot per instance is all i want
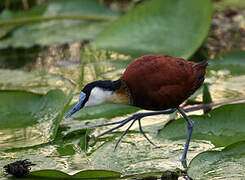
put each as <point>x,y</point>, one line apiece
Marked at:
<point>228,89</point>
<point>101,64</point>
<point>19,58</point>
<point>225,87</point>
<point>14,138</point>
<point>38,82</point>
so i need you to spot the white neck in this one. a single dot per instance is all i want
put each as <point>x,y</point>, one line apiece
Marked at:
<point>98,96</point>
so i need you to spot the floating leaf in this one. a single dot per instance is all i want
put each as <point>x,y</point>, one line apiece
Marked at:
<point>100,174</point>
<point>176,28</point>
<point>38,82</point>
<point>57,22</point>
<point>87,174</point>
<point>6,14</point>
<point>29,119</point>
<point>223,126</point>
<point>228,163</point>
<point>48,174</point>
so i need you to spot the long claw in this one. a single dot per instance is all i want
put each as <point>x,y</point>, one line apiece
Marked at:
<point>108,124</point>
<point>112,129</point>
<point>141,130</point>
<point>134,118</point>
<point>125,132</point>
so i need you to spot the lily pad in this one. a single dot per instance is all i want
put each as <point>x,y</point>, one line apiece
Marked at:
<point>48,174</point>
<point>100,174</point>
<point>37,82</point>
<point>6,14</point>
<point>177,28</point>
<point>229,163</point>
<point>87,174</point>
<point>57,22</point>
<point>29,119</point>
<point>222,126</point>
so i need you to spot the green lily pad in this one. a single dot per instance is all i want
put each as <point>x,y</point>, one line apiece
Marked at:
<point>176,28</point>
<point>29,119</point>
<point>233,62</point>
<point>87,174</point>
<point>222,126</point>
<point>48,174</point>
<point>37,82</point>
<point>229,163</point>
<point>100,174</point>
<point>57,22</point>
<point>6,14</point>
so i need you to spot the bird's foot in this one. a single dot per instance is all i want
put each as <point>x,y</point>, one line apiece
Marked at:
<point>133,118</point>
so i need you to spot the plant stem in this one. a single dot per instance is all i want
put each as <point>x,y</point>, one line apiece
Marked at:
<point>213,105</point>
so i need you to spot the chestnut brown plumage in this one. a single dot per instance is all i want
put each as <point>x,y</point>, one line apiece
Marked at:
<point>159,82</point>
<point>152,82</point>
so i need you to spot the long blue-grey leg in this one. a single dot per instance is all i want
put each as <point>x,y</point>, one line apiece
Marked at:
<point>190,125</point>
<point>134,117</point>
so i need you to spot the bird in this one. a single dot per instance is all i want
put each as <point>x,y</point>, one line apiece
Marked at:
<point>157,82</point>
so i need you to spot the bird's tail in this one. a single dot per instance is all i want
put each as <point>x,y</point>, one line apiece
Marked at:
<point>202,64</point>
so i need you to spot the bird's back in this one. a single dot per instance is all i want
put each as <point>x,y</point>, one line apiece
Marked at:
<point>158,82</point>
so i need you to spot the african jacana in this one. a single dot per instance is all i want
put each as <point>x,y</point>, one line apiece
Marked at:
<point>152,82</point>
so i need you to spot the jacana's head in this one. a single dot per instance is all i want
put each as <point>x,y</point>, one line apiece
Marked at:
<point>95,93</point>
